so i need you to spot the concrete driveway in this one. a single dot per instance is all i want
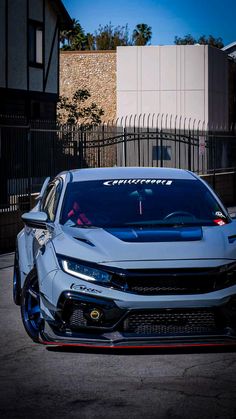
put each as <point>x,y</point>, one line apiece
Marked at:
<point>36,382</point>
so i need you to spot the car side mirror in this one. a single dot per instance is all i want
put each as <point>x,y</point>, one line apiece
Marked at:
<point>37,219</point>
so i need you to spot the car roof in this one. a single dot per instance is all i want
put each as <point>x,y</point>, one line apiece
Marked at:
<point>129,173</point>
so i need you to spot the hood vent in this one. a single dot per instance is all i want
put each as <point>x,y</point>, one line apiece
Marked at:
<point>85,241</point>
<point>145,235</point>
<point>232,239</point>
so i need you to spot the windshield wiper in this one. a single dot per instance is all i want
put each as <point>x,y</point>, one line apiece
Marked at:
<point>159,224</point>
<point>142,225</point>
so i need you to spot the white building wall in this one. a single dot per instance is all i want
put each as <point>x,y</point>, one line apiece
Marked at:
<point>36,74</point>
<point>50,25</point>
<point>35,79</point>
<point>2,45</point>
<point>173,80</point>
<point>17,44</point>
<point>17,65</point>
<point>36,10</point>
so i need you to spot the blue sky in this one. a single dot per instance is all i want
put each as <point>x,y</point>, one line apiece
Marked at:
<point>166,17</point>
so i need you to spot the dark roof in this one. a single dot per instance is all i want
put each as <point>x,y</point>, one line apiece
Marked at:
<point>230,50</point>
<point>65,20</point>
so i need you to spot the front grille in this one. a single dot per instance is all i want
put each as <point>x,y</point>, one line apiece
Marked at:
<point>174,281</point>
<point>171,285</point>
<point>170,322</point>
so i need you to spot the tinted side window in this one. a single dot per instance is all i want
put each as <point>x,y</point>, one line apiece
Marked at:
<point>49,204</point>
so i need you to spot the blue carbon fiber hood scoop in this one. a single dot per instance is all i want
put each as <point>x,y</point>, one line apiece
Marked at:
<point>171,234</point>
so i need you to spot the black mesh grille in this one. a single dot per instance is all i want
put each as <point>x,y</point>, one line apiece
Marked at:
<point>174,285</point>
<point>150,290</point>
<point>171,322</point>
<point>77,319</point>
<point>175,281</point>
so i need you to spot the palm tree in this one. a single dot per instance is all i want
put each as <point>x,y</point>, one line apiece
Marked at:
<point>73,38</point>
<point>142,34</point>
<point>63,37</point>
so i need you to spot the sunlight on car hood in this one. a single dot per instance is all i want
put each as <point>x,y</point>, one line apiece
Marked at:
<point>102,246</point>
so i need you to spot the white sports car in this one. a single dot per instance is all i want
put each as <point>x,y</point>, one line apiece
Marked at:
<point>127,257</point>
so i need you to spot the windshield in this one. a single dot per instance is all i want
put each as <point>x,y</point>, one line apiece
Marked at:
<point>140,203</point>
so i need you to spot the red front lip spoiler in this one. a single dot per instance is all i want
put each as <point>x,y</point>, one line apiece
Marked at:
<point>144,346</point>
<point>49,338</point>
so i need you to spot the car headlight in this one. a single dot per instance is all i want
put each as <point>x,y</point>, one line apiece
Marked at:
<point>82,271</point>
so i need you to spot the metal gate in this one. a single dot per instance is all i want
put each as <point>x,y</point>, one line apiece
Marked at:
<point>29,152</point>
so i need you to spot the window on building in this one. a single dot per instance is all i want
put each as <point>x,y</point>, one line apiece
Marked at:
<point>35,43</point>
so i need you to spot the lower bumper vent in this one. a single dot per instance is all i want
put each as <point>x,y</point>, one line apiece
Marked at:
<point>77,319</point>
<point>171,322</point>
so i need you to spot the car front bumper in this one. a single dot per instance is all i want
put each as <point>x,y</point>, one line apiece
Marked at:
<point>200,321</point>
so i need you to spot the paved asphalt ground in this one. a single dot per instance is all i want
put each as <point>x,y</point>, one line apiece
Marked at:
<point>39,382</point>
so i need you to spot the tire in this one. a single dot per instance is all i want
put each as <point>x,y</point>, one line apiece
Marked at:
<point>16,281</point>
<point>30,306</point>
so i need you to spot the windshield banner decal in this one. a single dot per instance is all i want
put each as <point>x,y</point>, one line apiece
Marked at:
<point>118,182</point>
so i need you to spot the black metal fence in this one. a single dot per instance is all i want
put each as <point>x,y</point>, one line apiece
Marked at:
<point>29,152</point>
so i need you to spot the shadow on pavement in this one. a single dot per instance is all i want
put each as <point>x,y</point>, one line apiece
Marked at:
<point>145,351</point>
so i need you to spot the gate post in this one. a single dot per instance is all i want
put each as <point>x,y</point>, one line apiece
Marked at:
<point>81,147</point>
<point>99,146</point>
<point>29,173</point>
<point>161,148</point>
<point>125,147</point>
<point>139,149</point>
<point>214,161</point>
<point>189,152</point>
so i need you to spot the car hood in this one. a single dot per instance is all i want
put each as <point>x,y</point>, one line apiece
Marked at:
<point>116,246</point>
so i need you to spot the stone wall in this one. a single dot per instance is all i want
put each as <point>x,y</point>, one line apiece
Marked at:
<point>94,71</point>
